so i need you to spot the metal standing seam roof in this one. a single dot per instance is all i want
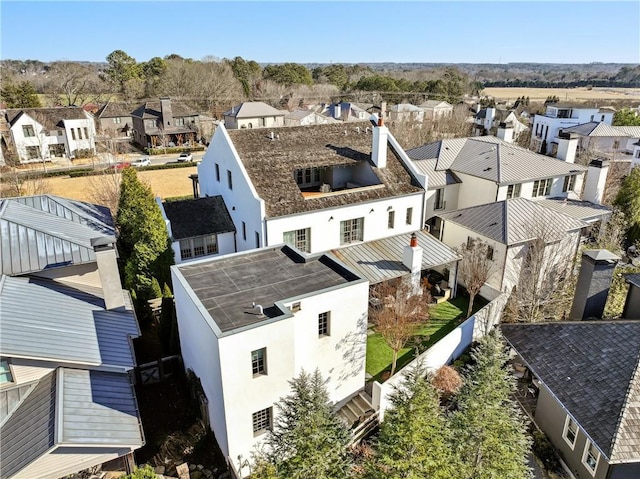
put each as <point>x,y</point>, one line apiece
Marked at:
<point>630,131</point>
<point>513,221</point>
<point>42,231</point>
<point>436,178</point>
<point>381,259</point>
<point>576,209</point>
<point>65,324</point>
<point>592,368</point>
<point>594,128</point>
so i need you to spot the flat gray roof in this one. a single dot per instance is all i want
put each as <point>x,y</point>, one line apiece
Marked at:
<point>228,286</point>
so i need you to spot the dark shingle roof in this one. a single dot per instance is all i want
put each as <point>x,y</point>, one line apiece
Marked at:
<point>592,369</point>
<point>313,146</point>
<point>50,118</point>
<point>198,217</point>
<point>151,110</point>
<point>115,109</point>
<point>513,221</point>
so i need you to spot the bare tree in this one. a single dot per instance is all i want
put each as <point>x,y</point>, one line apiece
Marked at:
<point>70,83</point>
<point>399,313</point>
<point>105,189</point>
<point>23,183</point>
<point>475,267</point>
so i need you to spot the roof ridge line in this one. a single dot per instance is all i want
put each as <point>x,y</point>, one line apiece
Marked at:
<point>498,159</point>
<point>635,376</point>
<point>506,223</point>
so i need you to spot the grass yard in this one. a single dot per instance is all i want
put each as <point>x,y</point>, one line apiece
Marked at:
<point>444,319</point>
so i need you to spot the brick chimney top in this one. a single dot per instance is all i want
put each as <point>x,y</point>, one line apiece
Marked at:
<point>414,240</point>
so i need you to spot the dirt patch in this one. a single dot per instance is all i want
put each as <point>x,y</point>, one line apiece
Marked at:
<point>565,94</point>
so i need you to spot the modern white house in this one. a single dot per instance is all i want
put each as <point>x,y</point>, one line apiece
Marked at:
<point>306,117</point>
<point>43,134</point>
<point>545,129</point>
<point>198,227</point>
<point>599,137</point>
<point>406,112</point>
<point>66,327</point>
<point>250,322</point>
<point>436,109</point>
<point>314,187</point>
<point>253,114</point>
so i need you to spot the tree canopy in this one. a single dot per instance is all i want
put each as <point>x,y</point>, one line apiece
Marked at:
<point>628,200</point>
<point>288,74</point>
<point>121,69</point>
<point>626,117</point>
<point>20,95</point>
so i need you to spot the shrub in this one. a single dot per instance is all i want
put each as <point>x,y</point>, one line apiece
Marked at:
<point>544,450</point>
<point>172,149</point>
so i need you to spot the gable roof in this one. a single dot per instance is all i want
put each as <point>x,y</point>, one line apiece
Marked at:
<point>38,232</point>
<point>115,109</point>
<point>405,107</point>
<point>630,131</point>
<point>151,110</point>
<point>492,159</point>
<point>513,221</point>
<point>435,104</point>
<point>50,118</point>
<point>252,109</point>
<point>577,209</point>
<point>314,146</point>
<point>66,324</point>
<point>198,217</point>
<point>592,369</point>
<point>594,128</point>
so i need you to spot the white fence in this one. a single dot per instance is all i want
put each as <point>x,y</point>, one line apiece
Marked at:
<point>444,351</point>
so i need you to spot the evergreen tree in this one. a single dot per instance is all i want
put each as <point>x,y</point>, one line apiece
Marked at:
<point>307,439</point>
<point>628,200</point>
<point>626,117</point>
<point>21,95</point>
<point>414,441</point>
<point>490,434</point>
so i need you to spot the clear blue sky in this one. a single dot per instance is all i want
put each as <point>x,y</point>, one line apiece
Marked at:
<point>323,32</point>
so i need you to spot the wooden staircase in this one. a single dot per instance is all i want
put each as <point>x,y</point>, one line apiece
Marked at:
<point>359,415</point>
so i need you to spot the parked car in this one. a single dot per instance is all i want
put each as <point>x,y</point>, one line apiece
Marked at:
<point>144,161</point>
<point>185,157</point>
<point>121,165</point>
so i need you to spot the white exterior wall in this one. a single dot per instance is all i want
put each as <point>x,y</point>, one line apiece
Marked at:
<point>526,189</point>
<point>77,144</point>
<point>232,123</point>
<point>226,245</point>
<point>455,235</point>
<point>325,232</point>
<point>243,202</point>
<point>476,191</point>
<point>40,139</point>
<point>578,117</point>
<point>451,194</point>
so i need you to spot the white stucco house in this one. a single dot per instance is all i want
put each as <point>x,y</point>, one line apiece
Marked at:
<point>251,321</point>
<point>600,137</point>
<point>302,117</point>
<point>436,109</point>
<point>560,116</point>
<point>43,134</point>
<point>406,112</point>
<point>253,114</point>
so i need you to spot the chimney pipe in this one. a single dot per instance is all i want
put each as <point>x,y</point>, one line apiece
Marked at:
<point>414,240</point>
<point>567,146</point>
<point>106,259</point>
<point>594,281</point>
<point>379,147</point>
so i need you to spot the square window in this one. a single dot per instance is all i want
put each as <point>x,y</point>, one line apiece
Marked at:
<point>324,323</point>
<point>409,217</point>
<point>392,219</point>
<point>590,457</point>
<point>513,191</point>
<point>28,130</point>
<point>5,372</point>
<point>259,362</point>
<point>300,239</point>
<point>261,421</point>
<point>570,432</point>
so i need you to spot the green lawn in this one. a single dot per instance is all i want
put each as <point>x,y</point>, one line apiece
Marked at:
<point>443,319</point>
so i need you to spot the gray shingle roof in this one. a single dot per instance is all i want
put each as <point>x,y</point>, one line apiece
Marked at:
<point>37,232</point>
<point>253,109</point>
<point>492,159</point>
<point>380,260</point>
<point>198,217</point>
<point>592,369</point>
<point>314,146</point>
<point>151,110</point>
<point>576,209</point>
<point>65,324</point>
<point>513,221</point>
<point>30,430</point>
<point>50,118</point>
<point>595,128</point>
<point>115,109</point>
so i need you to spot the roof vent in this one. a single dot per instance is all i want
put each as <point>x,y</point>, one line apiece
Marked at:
<point>366,130</point>
<point>345,132</point>
<point>258,307</point>
<point>272,135</point>
<point>358,129</point>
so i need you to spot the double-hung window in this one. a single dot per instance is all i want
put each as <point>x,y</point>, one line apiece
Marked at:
<point>324,323</point>
<point>570,432</point>
<point>300,239</point>
<point>569,183</point>
<point>590,457</point>
<point>28,130</point>
<point>351,230</point>
<point>439,199</point>
<point>513,191</point>
<point>391,220</point>
<point>409,216</point>
<point>542,187</point>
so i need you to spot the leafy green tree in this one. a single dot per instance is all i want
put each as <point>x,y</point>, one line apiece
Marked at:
<point>145,472</point>
<point>307,439</point>
<point>491,438</point>
<point>626,117</point>
<point>288,74</point>
<point>414,441</point>
<point>143,240</point>
<point>628,200</point>
<point>121,69</point>
<point>335,74</point>
<point>376,83</point>
<point>246,72</point>
<point>20,95</point>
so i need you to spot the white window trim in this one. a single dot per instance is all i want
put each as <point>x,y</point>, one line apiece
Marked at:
<point>564,432</point>
<point>587,446</point>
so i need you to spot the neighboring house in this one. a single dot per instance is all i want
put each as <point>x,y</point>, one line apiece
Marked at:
<point>306,117</point>
<point>250,322</point>
<point>66,398</point>
<point>43,134</point>
<point>253,114</point>
<point>165,123</point>
<point>488,120</point>
<point>114,120</point>
<point>466,172</point>
<point>315,187</point>
<point>346,111</point>
<point>435,109</point>
<point>584,391</point>
<point>633,136</point>
<point>406,112</point>
<point>558,117</point>
<point>508,226</point>
<point>199,227</point>
<point>598,136</point>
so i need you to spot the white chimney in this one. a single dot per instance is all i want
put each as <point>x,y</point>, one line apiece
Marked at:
<point>105,251</point>
<point>595,182</point>
<point>336,111</point>
<point>567,146</point>
<point>379,147</point>
<point>635,158</point>
<point>488,120</point>
<point>412,259</point>
<point>505,132</point>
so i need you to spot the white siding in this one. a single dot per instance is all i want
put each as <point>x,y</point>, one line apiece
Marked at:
<point>25,370</point>
<point>476,191</point>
